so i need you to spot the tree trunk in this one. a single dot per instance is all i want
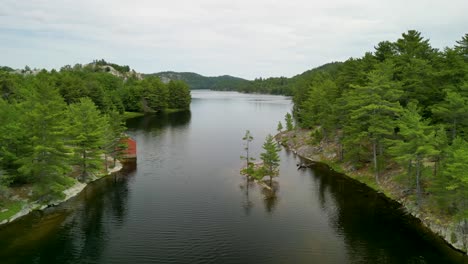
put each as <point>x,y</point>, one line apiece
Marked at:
<point>84,166</point>
<point>436,166</point>
<point>376,169</point>
<point>105,162</point>
<point>418,184</point>
<point>410,163</point>
<point>341,151</point>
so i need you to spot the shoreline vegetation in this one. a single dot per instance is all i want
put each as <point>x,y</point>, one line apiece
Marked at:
<point>300,142</point>
<point>58,127</point>
<point>396,119</point>
<point>24,207</point>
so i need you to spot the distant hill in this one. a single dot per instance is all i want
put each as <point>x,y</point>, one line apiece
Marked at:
<point>197,81</point>
<point>272,85</point>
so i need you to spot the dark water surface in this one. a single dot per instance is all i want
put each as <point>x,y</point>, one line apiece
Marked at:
<point>185,202</point>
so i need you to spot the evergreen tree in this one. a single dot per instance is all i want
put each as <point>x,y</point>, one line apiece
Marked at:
<point>44,156</point>
<point>462,46</point>
<point>154,95</point>
<point>320,108</point>
<point>289,122</point>
<point>372,111</point>
<point>416,143</point>
<point>279,128</point>
<point>179,95</point>
<point>453,110</point>
<point>385,50</point>
<point>12,139</point>
<point>415,70</point>
<point>456,177</point>
<point>114,135</point>
<point>87,131</point>
<point>247,139</point>
<point>270,157</point>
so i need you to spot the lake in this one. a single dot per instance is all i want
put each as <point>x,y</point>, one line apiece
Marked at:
<point>184,201</point>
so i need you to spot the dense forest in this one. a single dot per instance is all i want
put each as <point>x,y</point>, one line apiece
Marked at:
<point>196,81</point>
<point>272,85</point>
<point>401,108</point>
<point>277,85</point>
<point>61,123</point>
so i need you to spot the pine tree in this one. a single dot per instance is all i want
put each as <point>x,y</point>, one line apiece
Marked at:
<point>44,155</point>
<point>270,157</point>
<point>289,122</point>
<point>11,136</point>
<point>154,95</point>
<point>247,139</point>
<point>179,95</point>
<point>279,128</point>
<point>373,109</point>
<point>114,145</point>
<point>416,143</point>
<point>456,177</point>
<point>462,46</point>
<point>87,131</point>
<point>415,70</point>
<point>320,108</point>
<point>453,110</point>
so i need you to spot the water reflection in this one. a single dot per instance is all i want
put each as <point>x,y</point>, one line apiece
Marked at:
<point>268,190</point>
<point>368,223</point>
<point>270,195</point>
<point>75,231</point>
<point>247,203</point>
<point>161,120</point>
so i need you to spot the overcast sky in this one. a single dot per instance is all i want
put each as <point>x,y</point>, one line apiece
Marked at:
<point>245,38</point>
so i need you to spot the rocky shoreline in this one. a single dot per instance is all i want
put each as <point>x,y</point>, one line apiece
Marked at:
<point>69,193</point>
<point>298,142</point>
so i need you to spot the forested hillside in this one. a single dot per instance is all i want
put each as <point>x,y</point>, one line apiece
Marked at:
<point>287,86</point>
<point>402,108</point>
<point>272,85</point>
<point>196,81</point>
<point>61,122</point>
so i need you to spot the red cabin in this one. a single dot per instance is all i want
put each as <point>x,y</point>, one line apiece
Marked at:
<point>131,151</point>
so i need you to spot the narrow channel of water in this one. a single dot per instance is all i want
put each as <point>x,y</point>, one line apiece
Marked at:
<point>185,202</point>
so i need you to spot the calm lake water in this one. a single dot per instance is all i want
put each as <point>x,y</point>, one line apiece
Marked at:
<point>185,202</point>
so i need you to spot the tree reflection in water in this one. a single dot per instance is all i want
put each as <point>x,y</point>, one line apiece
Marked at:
<point>269,191</point>
<point>76,230</point>
<point>270,197</point>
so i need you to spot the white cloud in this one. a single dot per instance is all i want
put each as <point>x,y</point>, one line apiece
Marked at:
<point>247,38</point>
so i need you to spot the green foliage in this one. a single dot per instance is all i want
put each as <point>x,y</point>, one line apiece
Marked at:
<point>279,128</point>
<point>289,122</point>
<point>403,104</point>
<point>455,177</point>
<point>416,143</point>
<point>270,157</point>
<point>119,68</point>
<point>44,153</point>
<point>453,110</point>
<point>179,95</point>
<point>248,159</point>
<point>87,131</point>
<point>12,209</point>
<point>197,81</point>
<point>154,95</point>
<point>371,112</point>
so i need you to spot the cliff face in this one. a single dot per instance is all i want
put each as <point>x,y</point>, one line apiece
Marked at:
<point>454,232</point>
<point>111,70</point>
